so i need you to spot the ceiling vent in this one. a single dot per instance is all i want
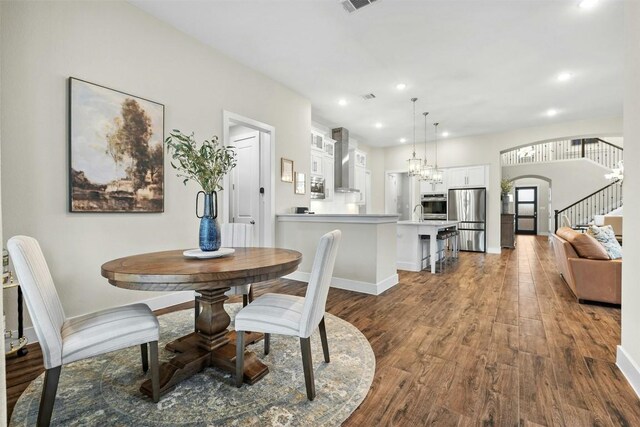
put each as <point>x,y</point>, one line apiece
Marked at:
<point>353,5</point>
<point>368,96</point>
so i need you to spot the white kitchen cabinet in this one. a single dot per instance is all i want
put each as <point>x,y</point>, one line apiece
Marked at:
<point>471,176</point>
<point>328,171</point>
<point>329,147</point>
<point>358,167</point>
<point>476,176</point>
<point>317,141</point>
<point>429,187</point>
<point>316,163</point>
<point>360,182</point>
<point>457,177</point>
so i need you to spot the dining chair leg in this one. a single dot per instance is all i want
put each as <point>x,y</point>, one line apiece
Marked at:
<point>323,338</point>
<point>245,300</point>
<point>145,357</point>
<point>155,372</point>
<point>197,313</point>
<point>267,343</point>
<point>250,294</point>
<point>239,358</point>
<point>307,366</point>
<point>48,398</point>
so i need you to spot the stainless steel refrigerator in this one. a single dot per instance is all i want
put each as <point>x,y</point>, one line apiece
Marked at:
<point>469,206</point>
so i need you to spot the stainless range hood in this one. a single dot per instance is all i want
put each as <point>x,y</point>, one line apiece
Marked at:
<point>343,170</point>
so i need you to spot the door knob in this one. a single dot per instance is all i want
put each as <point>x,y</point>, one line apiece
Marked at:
<point>252,222</point>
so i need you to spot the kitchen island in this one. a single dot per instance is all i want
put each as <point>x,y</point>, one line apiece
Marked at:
<point>410,245</point>
<point>366,260</point>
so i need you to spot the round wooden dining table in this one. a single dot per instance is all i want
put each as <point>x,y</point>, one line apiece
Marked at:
<point>211,344</point>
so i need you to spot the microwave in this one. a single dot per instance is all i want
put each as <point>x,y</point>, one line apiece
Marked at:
<point>317,187</point>
<point>434,206</point>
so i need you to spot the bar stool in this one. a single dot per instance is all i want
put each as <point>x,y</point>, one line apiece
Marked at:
<point>425,242</point>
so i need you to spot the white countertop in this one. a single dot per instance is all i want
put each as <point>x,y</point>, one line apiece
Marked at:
<point>430,223</point>
<point>344,218</point>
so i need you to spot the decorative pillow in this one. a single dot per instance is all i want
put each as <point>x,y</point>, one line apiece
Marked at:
<point>607,238</point>
<point>585,245</point>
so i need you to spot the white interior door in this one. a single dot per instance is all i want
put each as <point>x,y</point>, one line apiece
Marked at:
<point>245,183</point>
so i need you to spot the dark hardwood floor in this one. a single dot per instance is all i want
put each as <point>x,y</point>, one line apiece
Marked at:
<point>495,340</point>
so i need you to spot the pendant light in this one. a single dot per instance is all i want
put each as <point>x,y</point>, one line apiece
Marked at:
<point>436,174</point>
<point>426,169</point>
<point>414,163</point>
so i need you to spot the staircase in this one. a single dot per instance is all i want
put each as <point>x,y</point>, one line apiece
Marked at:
<point>596,149</point>
<point>584,210</point>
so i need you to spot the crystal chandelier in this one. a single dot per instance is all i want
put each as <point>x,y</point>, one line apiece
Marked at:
<point>436,174</point>
<point>425,169</point>
<point>414,163</point>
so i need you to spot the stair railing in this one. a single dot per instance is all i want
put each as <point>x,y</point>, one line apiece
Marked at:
<point>584,210</point>
<point>600,151</point>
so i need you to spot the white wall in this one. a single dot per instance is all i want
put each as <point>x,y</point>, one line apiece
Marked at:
<point>119,46</point>
<point>629,350</point>
<point>485,149</point>
<point>3,383</point>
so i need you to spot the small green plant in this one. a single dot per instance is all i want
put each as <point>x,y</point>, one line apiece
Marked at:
<point>506,186</point>
<point>205,165</point>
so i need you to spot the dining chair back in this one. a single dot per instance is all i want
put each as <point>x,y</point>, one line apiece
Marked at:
<point>68,340</point>
<point>41,296</point>
<point>238,235</point>
<point>315,299</point>
<point>232,235</point>
<point>292,315</point>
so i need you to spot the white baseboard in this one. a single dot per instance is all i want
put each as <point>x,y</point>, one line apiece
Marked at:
<point>494,250</point>
<point>408,266</point>
<point>155,303</point>
<point>352,285</point>
<point>629,368</point>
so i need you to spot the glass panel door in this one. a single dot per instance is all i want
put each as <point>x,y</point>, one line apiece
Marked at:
<point>526,210</point>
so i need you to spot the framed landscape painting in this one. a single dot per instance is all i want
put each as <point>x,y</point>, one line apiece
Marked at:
<point>116,151</point>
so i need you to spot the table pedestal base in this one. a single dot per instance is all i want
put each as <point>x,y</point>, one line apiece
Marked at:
<point>212,346</point>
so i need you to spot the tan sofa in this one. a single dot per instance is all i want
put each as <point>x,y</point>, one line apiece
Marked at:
<point>589,279</point>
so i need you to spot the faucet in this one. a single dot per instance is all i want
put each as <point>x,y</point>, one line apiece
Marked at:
<point>421,217</point>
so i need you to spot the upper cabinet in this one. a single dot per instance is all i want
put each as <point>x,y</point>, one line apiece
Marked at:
<point>429,187</point>
<point>317,141</point>
<point>358,169</point>
<point>316,163</point>
<point>329,147</point>
<point>471,176</point>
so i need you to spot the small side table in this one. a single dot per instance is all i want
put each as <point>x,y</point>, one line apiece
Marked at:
<point>17,345</point>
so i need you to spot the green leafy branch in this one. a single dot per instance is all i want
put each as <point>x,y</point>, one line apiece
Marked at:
<point>205,165</point>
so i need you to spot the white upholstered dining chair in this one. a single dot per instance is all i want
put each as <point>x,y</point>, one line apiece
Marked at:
<point>292,315</point>
<point>234,235</point>
<point>67,340</point>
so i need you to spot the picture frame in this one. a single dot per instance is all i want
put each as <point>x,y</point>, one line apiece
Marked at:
<point>116,151</point>
<point>286,170</point>
<point>300,183</point>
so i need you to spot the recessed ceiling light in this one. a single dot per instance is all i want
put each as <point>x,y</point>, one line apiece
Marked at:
<point>587,4</point>
<point>445,134</point>
<point>552,112</point>
<point>565,76</point>
<point>401,86</point>
<point>378,125</point>
<point>342,102</point>
<point>403,140</point>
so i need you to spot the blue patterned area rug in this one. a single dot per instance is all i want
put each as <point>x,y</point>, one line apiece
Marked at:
<point>104,391</point>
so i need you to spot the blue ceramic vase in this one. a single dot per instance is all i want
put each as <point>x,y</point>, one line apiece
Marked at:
<point>209,227</point>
